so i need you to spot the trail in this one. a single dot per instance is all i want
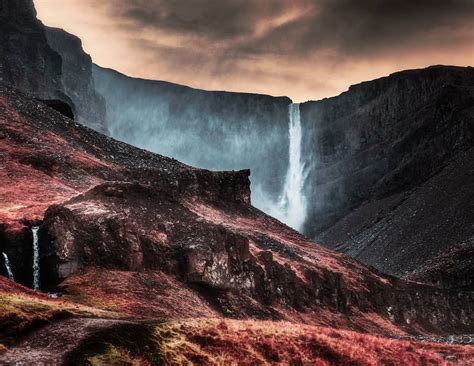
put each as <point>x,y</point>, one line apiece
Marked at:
<point>51,343</point>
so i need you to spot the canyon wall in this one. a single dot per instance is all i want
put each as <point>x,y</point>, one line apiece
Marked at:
<point>374,147</point>
<point>384,136</point>
<point>77,80</point>
<point>212,130</point>
<point>27,62</point>
<point>49,64</point>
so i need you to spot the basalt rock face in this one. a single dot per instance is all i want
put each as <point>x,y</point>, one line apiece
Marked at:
<point>27,62</point>
<point>104,206</point>
<point>210,129</point>
<point>393,176</point>
<point>383,137</point>
<point>47,63</point>
<point>77,80</point>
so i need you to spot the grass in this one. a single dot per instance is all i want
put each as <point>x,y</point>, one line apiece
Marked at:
<point>116,356</point>
<point>22,310</point>
<point>234,342</point>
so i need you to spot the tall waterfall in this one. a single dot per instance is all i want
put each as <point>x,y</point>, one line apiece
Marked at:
<point>36,255</point>
<point>8,266</point>
<point>292,201</point>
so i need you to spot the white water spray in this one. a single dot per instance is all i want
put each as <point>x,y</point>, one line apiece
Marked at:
<point>292,201</point>
<point>36,265</point>
<point>8,266</point>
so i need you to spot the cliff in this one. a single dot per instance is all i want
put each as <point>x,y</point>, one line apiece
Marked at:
<point>28,62</point>
<point>364,152</point>
<point>50,64</point>
<point>210,129</point>
<point>107,210</point>
<point>393,167</point>
<point>77,81</point>
<point>384,136</point>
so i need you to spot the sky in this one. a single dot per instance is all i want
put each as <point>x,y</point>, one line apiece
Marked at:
<point>306,50</point>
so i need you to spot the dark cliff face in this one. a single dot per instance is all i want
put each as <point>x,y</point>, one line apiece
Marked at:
<point>393,180</point>
<point>77,80</point>
<point>27,62</point>
<point>212,130</point>
<point>374,143</point>
<point>50,64</point>
<point>384,137</point>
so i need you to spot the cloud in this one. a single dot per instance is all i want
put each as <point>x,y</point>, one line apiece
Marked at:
<point>351,27</point>
<point>257,45</point>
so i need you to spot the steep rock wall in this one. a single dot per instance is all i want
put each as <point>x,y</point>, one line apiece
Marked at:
<point>77,80</point>
<point>27,62</point>
<point>212,130</point>
<point>384,137</point>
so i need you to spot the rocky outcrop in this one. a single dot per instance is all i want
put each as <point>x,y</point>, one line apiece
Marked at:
<point>77,81</point>
<point>106,206</point>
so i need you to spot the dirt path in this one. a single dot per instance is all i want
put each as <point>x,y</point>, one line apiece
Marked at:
<point>49,345</point>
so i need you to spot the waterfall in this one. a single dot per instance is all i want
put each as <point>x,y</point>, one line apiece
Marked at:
<point>36,265</point>
<point>292,200</point>
<point>9,267</point>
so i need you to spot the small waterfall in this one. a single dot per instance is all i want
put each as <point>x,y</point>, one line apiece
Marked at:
<point>292,201</point>
<point>36,255</point>
<point>9,267</point>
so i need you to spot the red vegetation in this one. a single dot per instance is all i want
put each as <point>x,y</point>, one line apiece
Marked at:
<point>141,295</point>
<point>218,342</point>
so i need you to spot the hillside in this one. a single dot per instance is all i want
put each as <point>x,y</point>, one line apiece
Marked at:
<point>124,231</point>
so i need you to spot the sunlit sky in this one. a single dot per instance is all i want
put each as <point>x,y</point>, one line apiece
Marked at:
<point>302,49</point>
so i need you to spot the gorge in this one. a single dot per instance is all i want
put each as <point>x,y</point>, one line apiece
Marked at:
<point>229,221</point>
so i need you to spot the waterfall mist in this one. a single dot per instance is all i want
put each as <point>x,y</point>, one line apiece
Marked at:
<point>216,131</point>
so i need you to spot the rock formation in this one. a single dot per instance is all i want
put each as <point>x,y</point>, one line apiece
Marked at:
<point>393,179</point>
<point>364,151</point>
<point>27,61</point>
<point>77,81</point>
<point>212,130</point>
<point>50,64</point>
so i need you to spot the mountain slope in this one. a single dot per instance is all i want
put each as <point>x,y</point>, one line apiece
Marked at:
<point>426,221</point>
<point>104,204</point>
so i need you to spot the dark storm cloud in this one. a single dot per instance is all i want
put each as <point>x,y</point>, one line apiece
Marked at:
<point>351,27</point>
<point>307,49</point>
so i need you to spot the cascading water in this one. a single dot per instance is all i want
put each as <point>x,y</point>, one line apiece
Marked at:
<point>36,254</point>
<point>292,202</point>
<point>8,266</point>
